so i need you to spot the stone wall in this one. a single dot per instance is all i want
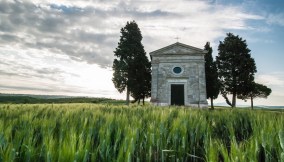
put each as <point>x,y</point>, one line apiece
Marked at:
<point>193,76</point>
<point>191,61</point>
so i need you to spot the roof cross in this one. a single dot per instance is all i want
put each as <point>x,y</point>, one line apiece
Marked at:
<point>177,38</point>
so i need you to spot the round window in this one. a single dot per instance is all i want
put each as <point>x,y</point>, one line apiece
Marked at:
<point>177,70</point>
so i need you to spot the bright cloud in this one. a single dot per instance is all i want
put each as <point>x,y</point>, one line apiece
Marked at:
<point>273,79</point>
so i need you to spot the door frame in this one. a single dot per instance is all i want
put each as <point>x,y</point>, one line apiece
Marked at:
<point>177,81</point>
<point>177,97</point>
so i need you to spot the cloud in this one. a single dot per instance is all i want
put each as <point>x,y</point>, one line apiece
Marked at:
<point>31,70</point>
<point>43,27</point>
<point>273,79</point>
<point>277,19</point>
<point>89,32</point>
<point>83,83</point>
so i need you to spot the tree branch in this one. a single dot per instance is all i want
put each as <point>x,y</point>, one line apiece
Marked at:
<point>224,94</point>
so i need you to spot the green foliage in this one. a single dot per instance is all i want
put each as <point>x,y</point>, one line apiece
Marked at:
<point>236,68</point>
<point>96,132</point>
<point>211,75</point>
<point>261,91</point>
<point>132,69</point>
<point>256,91</point>
<point>120,75</point>
<point>140,77</point>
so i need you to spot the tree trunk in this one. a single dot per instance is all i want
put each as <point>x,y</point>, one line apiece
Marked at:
<point>139,101</point>
<point>226,98</point>
<point>143,100</point>
<point>234,88</point>
<point>127,96</point>
<point>234,100</point>
<point>212,106</point>
<point>251,102</point>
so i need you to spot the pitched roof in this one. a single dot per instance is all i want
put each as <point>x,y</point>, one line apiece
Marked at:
<point>178,48</point>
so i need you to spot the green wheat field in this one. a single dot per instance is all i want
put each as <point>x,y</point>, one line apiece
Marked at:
<point>102,132</point>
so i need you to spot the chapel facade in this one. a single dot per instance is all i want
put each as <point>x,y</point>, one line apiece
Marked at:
<point>178,76</point>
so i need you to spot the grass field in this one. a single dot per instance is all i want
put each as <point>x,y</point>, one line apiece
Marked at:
<point>101,132</point>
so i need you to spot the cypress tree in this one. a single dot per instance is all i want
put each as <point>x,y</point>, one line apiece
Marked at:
<point>131,66</point>
<point>211,74</point>
<point>236,68</point>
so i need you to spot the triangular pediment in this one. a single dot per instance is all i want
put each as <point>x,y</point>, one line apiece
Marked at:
<point>178,48</point>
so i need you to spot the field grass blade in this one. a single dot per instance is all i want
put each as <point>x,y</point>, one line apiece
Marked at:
<point>281,139</point>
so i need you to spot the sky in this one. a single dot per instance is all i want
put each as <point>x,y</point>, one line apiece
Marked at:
<point>65,47</point>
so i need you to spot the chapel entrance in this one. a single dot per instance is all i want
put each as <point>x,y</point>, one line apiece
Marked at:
<point>177,94</point>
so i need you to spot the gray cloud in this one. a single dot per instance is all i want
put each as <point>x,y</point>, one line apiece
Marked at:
<point>28,71</point>
<point>6,38</point>
<point>46,89</point>
<point>90,32</point>
<point>78,32</point>
<point>47,28</point>
<point>2,72</point>
<point>49,88</point>
<point>129,9</point>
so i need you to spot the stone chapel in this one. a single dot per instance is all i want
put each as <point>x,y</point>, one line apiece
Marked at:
<point>178,76</point>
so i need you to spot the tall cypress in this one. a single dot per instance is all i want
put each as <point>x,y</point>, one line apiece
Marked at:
<point>236,68</point>
<point>211,74</point>
<point>131,66</point>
